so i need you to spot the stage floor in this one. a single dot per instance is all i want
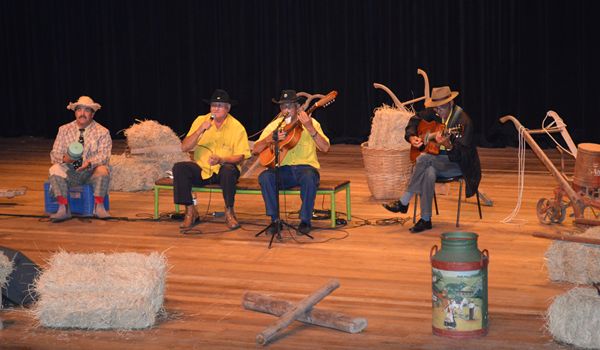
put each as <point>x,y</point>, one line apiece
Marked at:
<point>384,271</point>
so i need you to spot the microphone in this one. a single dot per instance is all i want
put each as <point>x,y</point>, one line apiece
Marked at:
<point>212,117</point>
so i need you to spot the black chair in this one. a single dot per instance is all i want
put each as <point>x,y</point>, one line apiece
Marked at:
<point>443,180</point>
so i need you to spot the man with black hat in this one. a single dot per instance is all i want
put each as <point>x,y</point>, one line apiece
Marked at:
<point>300,165</point>
<point>458,155</point>
<point>220,144</point>
<point>80,155</point>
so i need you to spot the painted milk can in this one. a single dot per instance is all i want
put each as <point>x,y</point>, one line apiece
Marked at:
<point>459,286</point>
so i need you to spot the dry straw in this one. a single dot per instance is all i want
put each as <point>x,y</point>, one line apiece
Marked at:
<point>101,291</point>
<point>154,149</point>
<point>6,268</point>
<point>574,262</point>
<point>386,154</point>
<point>574,318</point>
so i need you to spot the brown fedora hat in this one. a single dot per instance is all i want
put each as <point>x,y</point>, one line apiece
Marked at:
<point>440,96</point>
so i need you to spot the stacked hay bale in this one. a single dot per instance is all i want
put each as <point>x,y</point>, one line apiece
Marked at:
<point>574,262</point>
<point>386,155</point>
<point>101,291</point>
<point>6,268</point>
<point>153,149</point>
<point>574,317</point>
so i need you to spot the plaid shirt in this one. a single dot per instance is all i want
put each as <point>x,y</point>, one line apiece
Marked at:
<point>96,146</point>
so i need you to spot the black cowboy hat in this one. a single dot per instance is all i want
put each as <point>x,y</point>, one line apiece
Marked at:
<point>287,96</point>
<point>220,96</point>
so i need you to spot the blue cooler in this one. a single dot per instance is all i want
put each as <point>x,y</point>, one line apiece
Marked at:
<point>81,200</point>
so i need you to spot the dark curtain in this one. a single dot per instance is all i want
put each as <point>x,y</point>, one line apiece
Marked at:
<point>159,59</point>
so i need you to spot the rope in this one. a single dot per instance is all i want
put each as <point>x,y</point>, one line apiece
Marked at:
<point>546,127</point>
<point>510,219</point>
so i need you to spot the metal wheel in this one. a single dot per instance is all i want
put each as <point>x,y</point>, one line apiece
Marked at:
<point>548,212</point>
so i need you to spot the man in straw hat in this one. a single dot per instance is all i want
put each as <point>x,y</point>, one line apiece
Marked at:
<point>80,155</point>
<point>300,165</point>
<point>220,144</point>
<point>458,155</point>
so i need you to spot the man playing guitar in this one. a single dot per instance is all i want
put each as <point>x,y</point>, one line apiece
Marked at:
<point>457,155</point>
<point>299,166</point>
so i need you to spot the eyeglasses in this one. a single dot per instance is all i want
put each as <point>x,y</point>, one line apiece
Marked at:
<point>219,104</point>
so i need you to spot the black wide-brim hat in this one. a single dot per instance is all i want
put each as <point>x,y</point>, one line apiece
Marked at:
<point>287,96</point>
<point>220,96</point>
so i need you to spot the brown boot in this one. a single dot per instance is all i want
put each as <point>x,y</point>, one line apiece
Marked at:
<point>192,218</point>
<point>63,213</point>
<point>230,219</point>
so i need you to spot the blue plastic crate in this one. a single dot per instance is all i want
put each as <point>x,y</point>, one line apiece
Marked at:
<point>81,200</point>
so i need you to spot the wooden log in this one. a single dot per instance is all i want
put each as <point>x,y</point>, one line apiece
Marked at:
<point>299,309</point>
<point>569,238</point>
<point>587,222</point>
<point>330,319</point>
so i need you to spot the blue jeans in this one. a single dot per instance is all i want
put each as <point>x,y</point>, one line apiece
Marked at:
<point>304,176</point>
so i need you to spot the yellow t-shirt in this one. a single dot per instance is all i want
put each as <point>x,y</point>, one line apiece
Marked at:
<point>230,139</point>
<point>305,152</point>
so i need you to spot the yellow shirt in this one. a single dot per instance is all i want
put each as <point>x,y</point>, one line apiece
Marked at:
<point>305,152</point>
<point>230,139</point>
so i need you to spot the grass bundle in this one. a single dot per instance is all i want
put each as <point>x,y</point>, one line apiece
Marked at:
<point>101,291</point>
<point>574,262</point>
<point>574,318</point>
<point>387,128</point>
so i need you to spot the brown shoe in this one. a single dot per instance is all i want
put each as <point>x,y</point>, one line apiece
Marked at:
<point>63,213</point>
<point>230,219</point>
<point>100,212</point>
<point>192,218</point>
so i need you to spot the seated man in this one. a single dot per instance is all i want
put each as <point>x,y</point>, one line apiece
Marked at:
<point>220,144</point>
<point>90,168</point>
<point>457,156</point>
<point>300,165</point>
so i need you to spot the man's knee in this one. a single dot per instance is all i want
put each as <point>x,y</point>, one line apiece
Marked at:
<point>58,170</point>
<point>266,177</point>
<point>101,171</point>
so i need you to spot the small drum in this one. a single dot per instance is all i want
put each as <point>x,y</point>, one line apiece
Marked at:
<point>75,150</point>
<point>587,166</point>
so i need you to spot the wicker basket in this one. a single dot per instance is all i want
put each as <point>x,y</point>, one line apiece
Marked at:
<point>388,171</point>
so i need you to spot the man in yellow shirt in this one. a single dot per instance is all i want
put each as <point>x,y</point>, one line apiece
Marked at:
<point>220,144</point>
<point>300,165</point>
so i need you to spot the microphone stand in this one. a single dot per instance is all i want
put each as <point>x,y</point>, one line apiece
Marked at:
<point>278,223</point>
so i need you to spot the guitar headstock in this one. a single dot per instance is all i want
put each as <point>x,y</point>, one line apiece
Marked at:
<point>456,130</point>
<point>327,99</point>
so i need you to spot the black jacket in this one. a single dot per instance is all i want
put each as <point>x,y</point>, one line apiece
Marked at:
<point>463,151</point>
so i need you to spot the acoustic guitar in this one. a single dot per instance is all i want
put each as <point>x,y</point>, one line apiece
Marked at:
<point>294,132</point>
<point>427,131</point>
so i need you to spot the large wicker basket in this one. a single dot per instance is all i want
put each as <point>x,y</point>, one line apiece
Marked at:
<point>388,171</point>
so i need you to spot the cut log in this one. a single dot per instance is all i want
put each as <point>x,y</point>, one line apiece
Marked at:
<point>299,309</point>
<point>569,238</point>
<point>330,319</point>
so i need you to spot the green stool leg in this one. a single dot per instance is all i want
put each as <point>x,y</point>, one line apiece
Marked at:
<point>348,204</point>
<point>156,202</point>
<point>332,214</point>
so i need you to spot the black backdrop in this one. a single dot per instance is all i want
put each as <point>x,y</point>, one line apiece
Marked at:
<point>158,59</point>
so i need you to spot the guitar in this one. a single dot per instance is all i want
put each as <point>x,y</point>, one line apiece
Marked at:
<point>294,132</point>
<point>427,132</point>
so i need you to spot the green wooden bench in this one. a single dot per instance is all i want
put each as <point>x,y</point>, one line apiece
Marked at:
<point>251,186</point>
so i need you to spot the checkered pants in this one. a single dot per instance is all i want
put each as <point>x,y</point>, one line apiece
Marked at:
<point>59,185</point>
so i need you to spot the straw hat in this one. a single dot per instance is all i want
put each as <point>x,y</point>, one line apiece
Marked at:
<point>440,96</point>
<point>85,101</point>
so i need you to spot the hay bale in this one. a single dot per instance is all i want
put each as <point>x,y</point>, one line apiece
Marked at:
<point>6,268</point>
<point>574,318</point>
<point>101,291</point>
<point>387,128</point>
<point>149,134</point>
<point>574,262</point>
<point>155,148</point>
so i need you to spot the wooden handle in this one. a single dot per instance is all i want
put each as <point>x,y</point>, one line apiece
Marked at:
<point>289,317</point>
<point>568,238</point>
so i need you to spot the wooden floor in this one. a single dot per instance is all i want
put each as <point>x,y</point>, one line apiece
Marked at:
<point>384,271</point>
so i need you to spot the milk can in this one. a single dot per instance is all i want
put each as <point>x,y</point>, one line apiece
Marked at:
<point>459,286</point>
